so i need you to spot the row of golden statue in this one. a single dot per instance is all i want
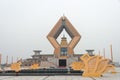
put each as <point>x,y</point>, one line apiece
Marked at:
<point>16,66</point>
<point>92,66</point>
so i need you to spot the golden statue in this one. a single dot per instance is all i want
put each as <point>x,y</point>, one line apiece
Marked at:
<point>93,66</point>
<point>34,66</point>
<point>16,66</point>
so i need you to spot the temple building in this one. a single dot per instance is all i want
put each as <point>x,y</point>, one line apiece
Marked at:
<point>63,54</point>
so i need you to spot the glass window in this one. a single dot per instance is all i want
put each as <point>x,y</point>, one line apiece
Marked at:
<point>63,52</point>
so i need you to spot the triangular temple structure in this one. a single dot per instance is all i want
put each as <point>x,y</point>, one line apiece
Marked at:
<point>63,23</point>
<point>63,54</point>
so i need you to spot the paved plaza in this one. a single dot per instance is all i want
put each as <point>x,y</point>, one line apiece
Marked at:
<point>107,76</point>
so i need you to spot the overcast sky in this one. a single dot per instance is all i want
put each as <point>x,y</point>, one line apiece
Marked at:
<point>24,25</point>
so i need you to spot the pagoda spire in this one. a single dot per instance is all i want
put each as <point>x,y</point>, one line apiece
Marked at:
<point>64,42</point>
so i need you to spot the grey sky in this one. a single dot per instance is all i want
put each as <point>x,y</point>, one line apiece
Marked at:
<point>24,25</point>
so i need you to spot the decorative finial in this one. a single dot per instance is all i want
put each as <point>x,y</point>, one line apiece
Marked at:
<point>63,18</point>
<point>63,36</point>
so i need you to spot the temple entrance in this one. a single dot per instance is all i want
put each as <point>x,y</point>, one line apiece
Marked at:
<point>62,62</point>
